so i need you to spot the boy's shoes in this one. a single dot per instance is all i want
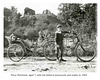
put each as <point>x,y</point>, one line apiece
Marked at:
<point>62,60</point>
<point>59,60</point>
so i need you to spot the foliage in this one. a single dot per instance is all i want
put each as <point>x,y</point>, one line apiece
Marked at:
<point>29,11</point>
<point>52,27</point>
<point>7,15</point>
<point>19,32</point>
<point>81,17</point>
<point>31,33</point>
<point>11,30</point>
<point>6,43</point>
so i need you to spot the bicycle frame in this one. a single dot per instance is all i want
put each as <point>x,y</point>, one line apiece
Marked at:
<point>72,38</point>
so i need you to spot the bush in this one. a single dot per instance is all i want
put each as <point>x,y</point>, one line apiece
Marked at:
<point>31,34</point>
<point>6,43</point>
<point>11,30</point>
<point>51,27</point>
<point>19,32</point>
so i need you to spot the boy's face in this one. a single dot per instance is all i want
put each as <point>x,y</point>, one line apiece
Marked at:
<point>59,28</point>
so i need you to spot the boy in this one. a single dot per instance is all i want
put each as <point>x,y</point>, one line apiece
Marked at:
<point>59,42</point>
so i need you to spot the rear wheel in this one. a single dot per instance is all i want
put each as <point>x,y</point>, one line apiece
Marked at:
<point>16,52</point>
<point>50,51</point>
<point>85,52</point>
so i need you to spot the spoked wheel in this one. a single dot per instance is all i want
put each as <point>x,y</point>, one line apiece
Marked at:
<point>50,51</point>
<point>85,52</point>
<point>68,51</point>
<point>15,52</point>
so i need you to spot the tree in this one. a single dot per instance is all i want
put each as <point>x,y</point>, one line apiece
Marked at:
<point>19,32</point>
<point>91,12</point>
<point>46,11</point>
<point>28,20</point>
<point>28,11</point>
<point>69,13</point>
<point>81,17</point>
<point>11,19</point>
<point>7,18</point>
<point>31,33</point>
<point>13,15</point>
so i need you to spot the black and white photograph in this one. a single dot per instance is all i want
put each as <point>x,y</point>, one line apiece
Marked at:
<point>50,38</point>
<point>62,42</point>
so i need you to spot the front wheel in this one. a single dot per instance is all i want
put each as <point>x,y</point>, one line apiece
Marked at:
<point>85,52</point>
<point>50,51</point>
<point>15,52</point>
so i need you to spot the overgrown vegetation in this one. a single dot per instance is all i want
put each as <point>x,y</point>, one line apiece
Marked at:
<point>80,17</point>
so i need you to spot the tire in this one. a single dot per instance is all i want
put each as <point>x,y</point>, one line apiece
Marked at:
<point>86,52</point>
<point>49,51</point>
<point>15,52</point>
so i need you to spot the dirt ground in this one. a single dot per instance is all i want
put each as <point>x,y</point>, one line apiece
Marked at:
<point>41,64</point>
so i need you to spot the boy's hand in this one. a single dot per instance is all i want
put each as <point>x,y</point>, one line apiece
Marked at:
<point>56,45</point>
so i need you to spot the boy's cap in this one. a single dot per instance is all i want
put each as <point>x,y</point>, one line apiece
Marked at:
<point>59,25</point>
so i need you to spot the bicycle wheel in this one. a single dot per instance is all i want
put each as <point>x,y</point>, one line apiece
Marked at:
<point>15,52</point>
<point>49,51</point>
<point>85,52</point>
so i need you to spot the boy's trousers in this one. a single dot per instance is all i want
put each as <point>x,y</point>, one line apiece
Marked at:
<point>60,50</point>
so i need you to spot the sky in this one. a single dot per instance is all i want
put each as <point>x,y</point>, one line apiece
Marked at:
<point>38,7</point>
